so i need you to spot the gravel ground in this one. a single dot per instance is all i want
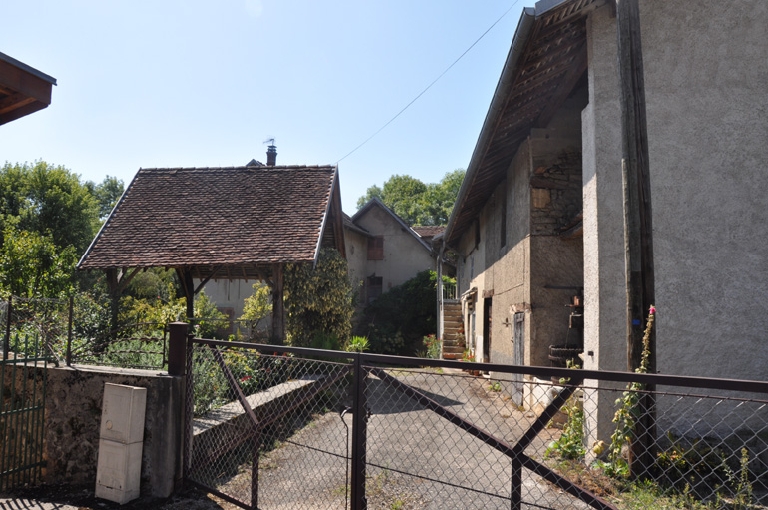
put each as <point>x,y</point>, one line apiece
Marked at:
<point>82,498</point>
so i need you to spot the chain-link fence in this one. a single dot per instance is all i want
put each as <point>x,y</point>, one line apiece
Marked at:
<point>274,427</point>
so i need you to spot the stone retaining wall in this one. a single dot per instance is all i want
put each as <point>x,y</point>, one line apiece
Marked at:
<point>73,417</point>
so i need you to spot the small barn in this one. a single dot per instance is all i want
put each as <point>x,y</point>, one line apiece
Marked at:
<point>220,223</point>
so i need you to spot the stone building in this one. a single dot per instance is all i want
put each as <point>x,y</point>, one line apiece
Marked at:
<point>539,216</point>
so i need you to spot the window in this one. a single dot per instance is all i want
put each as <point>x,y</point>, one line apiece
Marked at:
<point>376,248</point>
<point>373,287</point>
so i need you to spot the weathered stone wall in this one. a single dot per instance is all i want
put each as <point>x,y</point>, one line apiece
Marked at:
<point>556,193</point>
<point>73,418</point>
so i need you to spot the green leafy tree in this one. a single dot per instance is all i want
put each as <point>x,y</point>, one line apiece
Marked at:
<point>415,202</point>
<point>32,266</point>
<point>49,200</point>
<point>106,194</point>
<point>318,301</point>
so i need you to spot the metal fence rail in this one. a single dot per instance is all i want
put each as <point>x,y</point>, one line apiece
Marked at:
<point>280,427</point>
<point>23,372</point>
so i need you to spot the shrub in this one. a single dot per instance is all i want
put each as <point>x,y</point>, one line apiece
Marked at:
<point>398,320</point>
<point>318,301</point>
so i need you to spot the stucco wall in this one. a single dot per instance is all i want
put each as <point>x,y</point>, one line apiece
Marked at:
<point>705,76</point>
<point>404,256</point>
<point>73,418</point>
<point>603,226</point>
<point>705,70</point>
<point>357,254</point>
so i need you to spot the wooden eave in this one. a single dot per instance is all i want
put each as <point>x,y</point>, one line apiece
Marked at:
<point>547,58</point>
<point>23,89</point>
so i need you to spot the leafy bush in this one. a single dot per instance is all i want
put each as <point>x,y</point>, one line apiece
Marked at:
<point>318,301</point>
<point>398,320</point>
<point>258,306</point>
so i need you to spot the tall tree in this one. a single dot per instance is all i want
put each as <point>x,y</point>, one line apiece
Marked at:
<point>415,202</point>
<point>106,194</point>
<point>48,217</point>
<point>49,200</point>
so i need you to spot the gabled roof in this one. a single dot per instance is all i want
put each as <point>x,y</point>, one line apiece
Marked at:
<point>355,228</point>
<point>547,58</point>
<point>241,219</point>
<point>427,232</point>
<point>23,89</point>
<point>375,202</point>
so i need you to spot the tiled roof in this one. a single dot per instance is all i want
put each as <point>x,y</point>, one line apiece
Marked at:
<point>428,232</point>
<point>185,217</point>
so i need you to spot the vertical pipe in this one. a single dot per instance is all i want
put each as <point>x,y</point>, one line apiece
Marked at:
<point>359,418</point>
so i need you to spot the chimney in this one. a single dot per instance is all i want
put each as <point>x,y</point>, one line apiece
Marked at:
<point>271,154</point>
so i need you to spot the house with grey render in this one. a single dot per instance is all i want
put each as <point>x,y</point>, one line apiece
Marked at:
<point>384,251</point>
<point>538,224</point>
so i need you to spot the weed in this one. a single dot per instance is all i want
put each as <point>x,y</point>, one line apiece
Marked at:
<point>570,444</point>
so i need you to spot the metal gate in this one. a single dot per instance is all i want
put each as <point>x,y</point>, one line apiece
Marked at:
<point>279,427</point>
<point>23,371</point>
<point>301,428</point>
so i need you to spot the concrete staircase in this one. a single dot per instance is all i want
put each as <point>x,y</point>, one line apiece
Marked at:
<point>454,341</point>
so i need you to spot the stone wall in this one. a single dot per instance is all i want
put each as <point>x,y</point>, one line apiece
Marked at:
<point>73,417</point>
<point>556,193</point>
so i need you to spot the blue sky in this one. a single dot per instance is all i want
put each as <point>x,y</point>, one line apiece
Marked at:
<point>187,83</point>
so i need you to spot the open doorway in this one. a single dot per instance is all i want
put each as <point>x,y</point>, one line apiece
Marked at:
<point>487,328</point>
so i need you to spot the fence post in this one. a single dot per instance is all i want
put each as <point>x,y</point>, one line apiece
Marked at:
<point>69,331</point>
<point>177,348</point>
<point>7,338</point>
<point>359,419</point>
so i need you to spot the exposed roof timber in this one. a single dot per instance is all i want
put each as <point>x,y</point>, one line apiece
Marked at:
<point>544,64</point>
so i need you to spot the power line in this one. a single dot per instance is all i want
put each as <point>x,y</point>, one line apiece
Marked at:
<point>430,85</point>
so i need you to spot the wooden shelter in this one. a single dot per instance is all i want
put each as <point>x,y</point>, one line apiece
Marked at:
<point>236,223</point>
<point>23,89</point>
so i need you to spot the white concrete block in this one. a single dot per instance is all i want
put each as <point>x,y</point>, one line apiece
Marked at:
<point>122,414</point>
<point>118,471</point>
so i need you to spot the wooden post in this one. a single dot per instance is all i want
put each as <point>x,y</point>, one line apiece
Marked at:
<point>638,228</point>
<point>278,311</point>
<point>188,286</point>
<point>114,301</point>
<point>177,348</point>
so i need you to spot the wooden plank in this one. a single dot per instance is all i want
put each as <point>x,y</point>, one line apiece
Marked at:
<point>14,101</point>
<point>638,240</point>
<point>25,83</point>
